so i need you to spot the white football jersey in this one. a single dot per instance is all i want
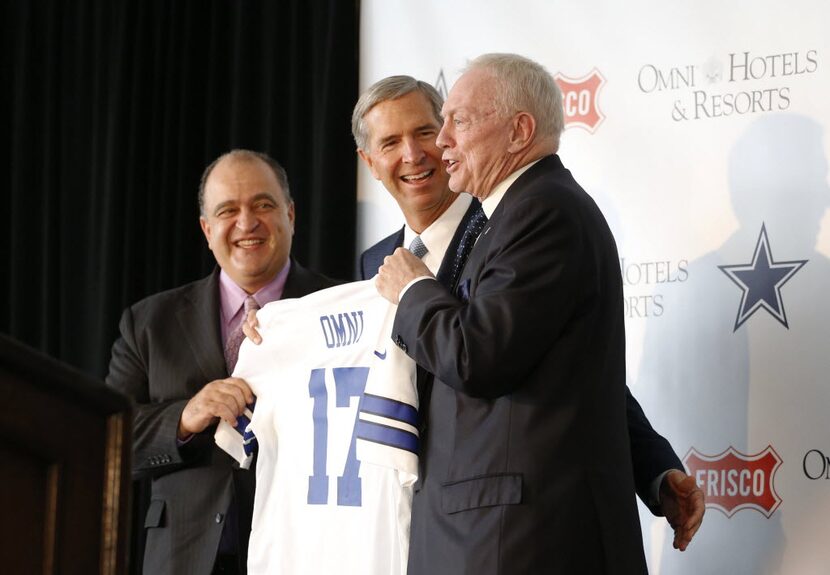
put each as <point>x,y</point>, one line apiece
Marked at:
<point>318,508</point>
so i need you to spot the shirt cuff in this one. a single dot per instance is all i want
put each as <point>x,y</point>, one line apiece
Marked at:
<point>413,282</point>
<point>654,491</point>
<point>185,441</point>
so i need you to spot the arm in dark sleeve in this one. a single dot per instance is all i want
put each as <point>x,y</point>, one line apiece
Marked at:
<point>533,282</point>
<point>155,424</point>
<point>651,453</point>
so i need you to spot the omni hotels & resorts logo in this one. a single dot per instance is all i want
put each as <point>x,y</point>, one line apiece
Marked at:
<point>638,277</point>
<point>739,83</point>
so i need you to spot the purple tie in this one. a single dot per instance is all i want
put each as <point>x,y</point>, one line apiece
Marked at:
<point>231,356</point>
<point>236,337</point>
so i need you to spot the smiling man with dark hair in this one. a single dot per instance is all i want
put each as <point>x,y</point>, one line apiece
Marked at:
<point>174,357</point>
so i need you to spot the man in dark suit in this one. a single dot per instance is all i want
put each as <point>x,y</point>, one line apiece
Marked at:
<point>171,360</point>
<point>394,124</point>
<point>527,463</point>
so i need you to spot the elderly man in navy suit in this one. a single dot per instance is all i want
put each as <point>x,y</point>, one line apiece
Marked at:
<point>526,460</point>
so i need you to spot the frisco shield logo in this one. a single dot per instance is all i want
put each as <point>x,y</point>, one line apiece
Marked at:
<point>733,481</point>
<point>580,100</point>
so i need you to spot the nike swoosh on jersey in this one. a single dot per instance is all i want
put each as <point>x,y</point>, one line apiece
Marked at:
<point>382,356</point>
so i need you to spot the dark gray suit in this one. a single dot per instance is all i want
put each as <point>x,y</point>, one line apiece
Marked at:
<point>170,347</point>
<point>527,467</point>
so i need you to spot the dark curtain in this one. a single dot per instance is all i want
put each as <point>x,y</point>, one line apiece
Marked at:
<point>113,109</point>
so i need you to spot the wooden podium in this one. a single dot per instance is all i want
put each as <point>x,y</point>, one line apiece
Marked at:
<point>65,444</point>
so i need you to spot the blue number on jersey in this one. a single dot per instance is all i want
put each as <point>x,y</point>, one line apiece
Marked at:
<point>318,484</point>
<point>349,382</point>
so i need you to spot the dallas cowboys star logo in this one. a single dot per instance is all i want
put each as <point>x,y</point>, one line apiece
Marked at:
<point>441,84</point>
<point>761,282</point>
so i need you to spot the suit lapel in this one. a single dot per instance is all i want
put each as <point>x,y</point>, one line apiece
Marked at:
<point>477,259</point>
<point>373,257</point>
<point>301,281</point>
<point>199,320</point>
<point>395,245</point>
<point>295,282</point>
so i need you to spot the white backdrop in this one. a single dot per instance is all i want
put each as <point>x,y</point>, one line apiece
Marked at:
<point>699,128</point>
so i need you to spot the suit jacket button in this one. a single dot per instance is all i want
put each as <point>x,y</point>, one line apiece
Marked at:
<point>400,343</point>
<point>219,518</point>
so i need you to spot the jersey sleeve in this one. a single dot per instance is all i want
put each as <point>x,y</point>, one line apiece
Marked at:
<point>387,427</point>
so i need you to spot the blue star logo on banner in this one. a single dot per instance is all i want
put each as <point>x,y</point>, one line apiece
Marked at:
<point>761,282</point>
<point>441,84</point>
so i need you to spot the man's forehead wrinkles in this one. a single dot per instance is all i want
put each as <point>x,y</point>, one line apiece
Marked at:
<point>254,198</point>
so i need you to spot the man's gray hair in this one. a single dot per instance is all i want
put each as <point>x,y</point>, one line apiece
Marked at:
<point>246,156</point>
<point>524,85</point>
<point>390,88</point>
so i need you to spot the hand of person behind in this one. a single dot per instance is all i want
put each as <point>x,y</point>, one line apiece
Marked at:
<point>683,504</point>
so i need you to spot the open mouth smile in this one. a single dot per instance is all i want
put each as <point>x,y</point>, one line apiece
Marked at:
<point>415,178</point>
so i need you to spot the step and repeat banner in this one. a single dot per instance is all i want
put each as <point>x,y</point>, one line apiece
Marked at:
<point>699,127</point>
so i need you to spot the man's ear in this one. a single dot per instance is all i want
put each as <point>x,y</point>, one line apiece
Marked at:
<point>291,216</point>
<point>205,229</point>
<point>523,132</point>
<point>367,159</point>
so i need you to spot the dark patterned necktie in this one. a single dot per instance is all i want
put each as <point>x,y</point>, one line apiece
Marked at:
<point>236,337</point>
<point>417,247</point>
<point>474,226</point>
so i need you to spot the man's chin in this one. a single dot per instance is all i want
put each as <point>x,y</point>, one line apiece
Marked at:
<point>251,270</point>
<point>429,198</point>
<point>457,185</point>
<point>459,190</point>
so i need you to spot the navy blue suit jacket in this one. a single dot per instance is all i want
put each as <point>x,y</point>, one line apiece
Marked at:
<point>651,453</point>
<point>526,467</point>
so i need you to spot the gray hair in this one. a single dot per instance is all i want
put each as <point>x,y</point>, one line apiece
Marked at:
<point>390,88</point>
<point>525,85</point>
<point>245,156</point>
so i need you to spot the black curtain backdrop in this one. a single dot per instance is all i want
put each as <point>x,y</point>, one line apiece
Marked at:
<point>112,111</point>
